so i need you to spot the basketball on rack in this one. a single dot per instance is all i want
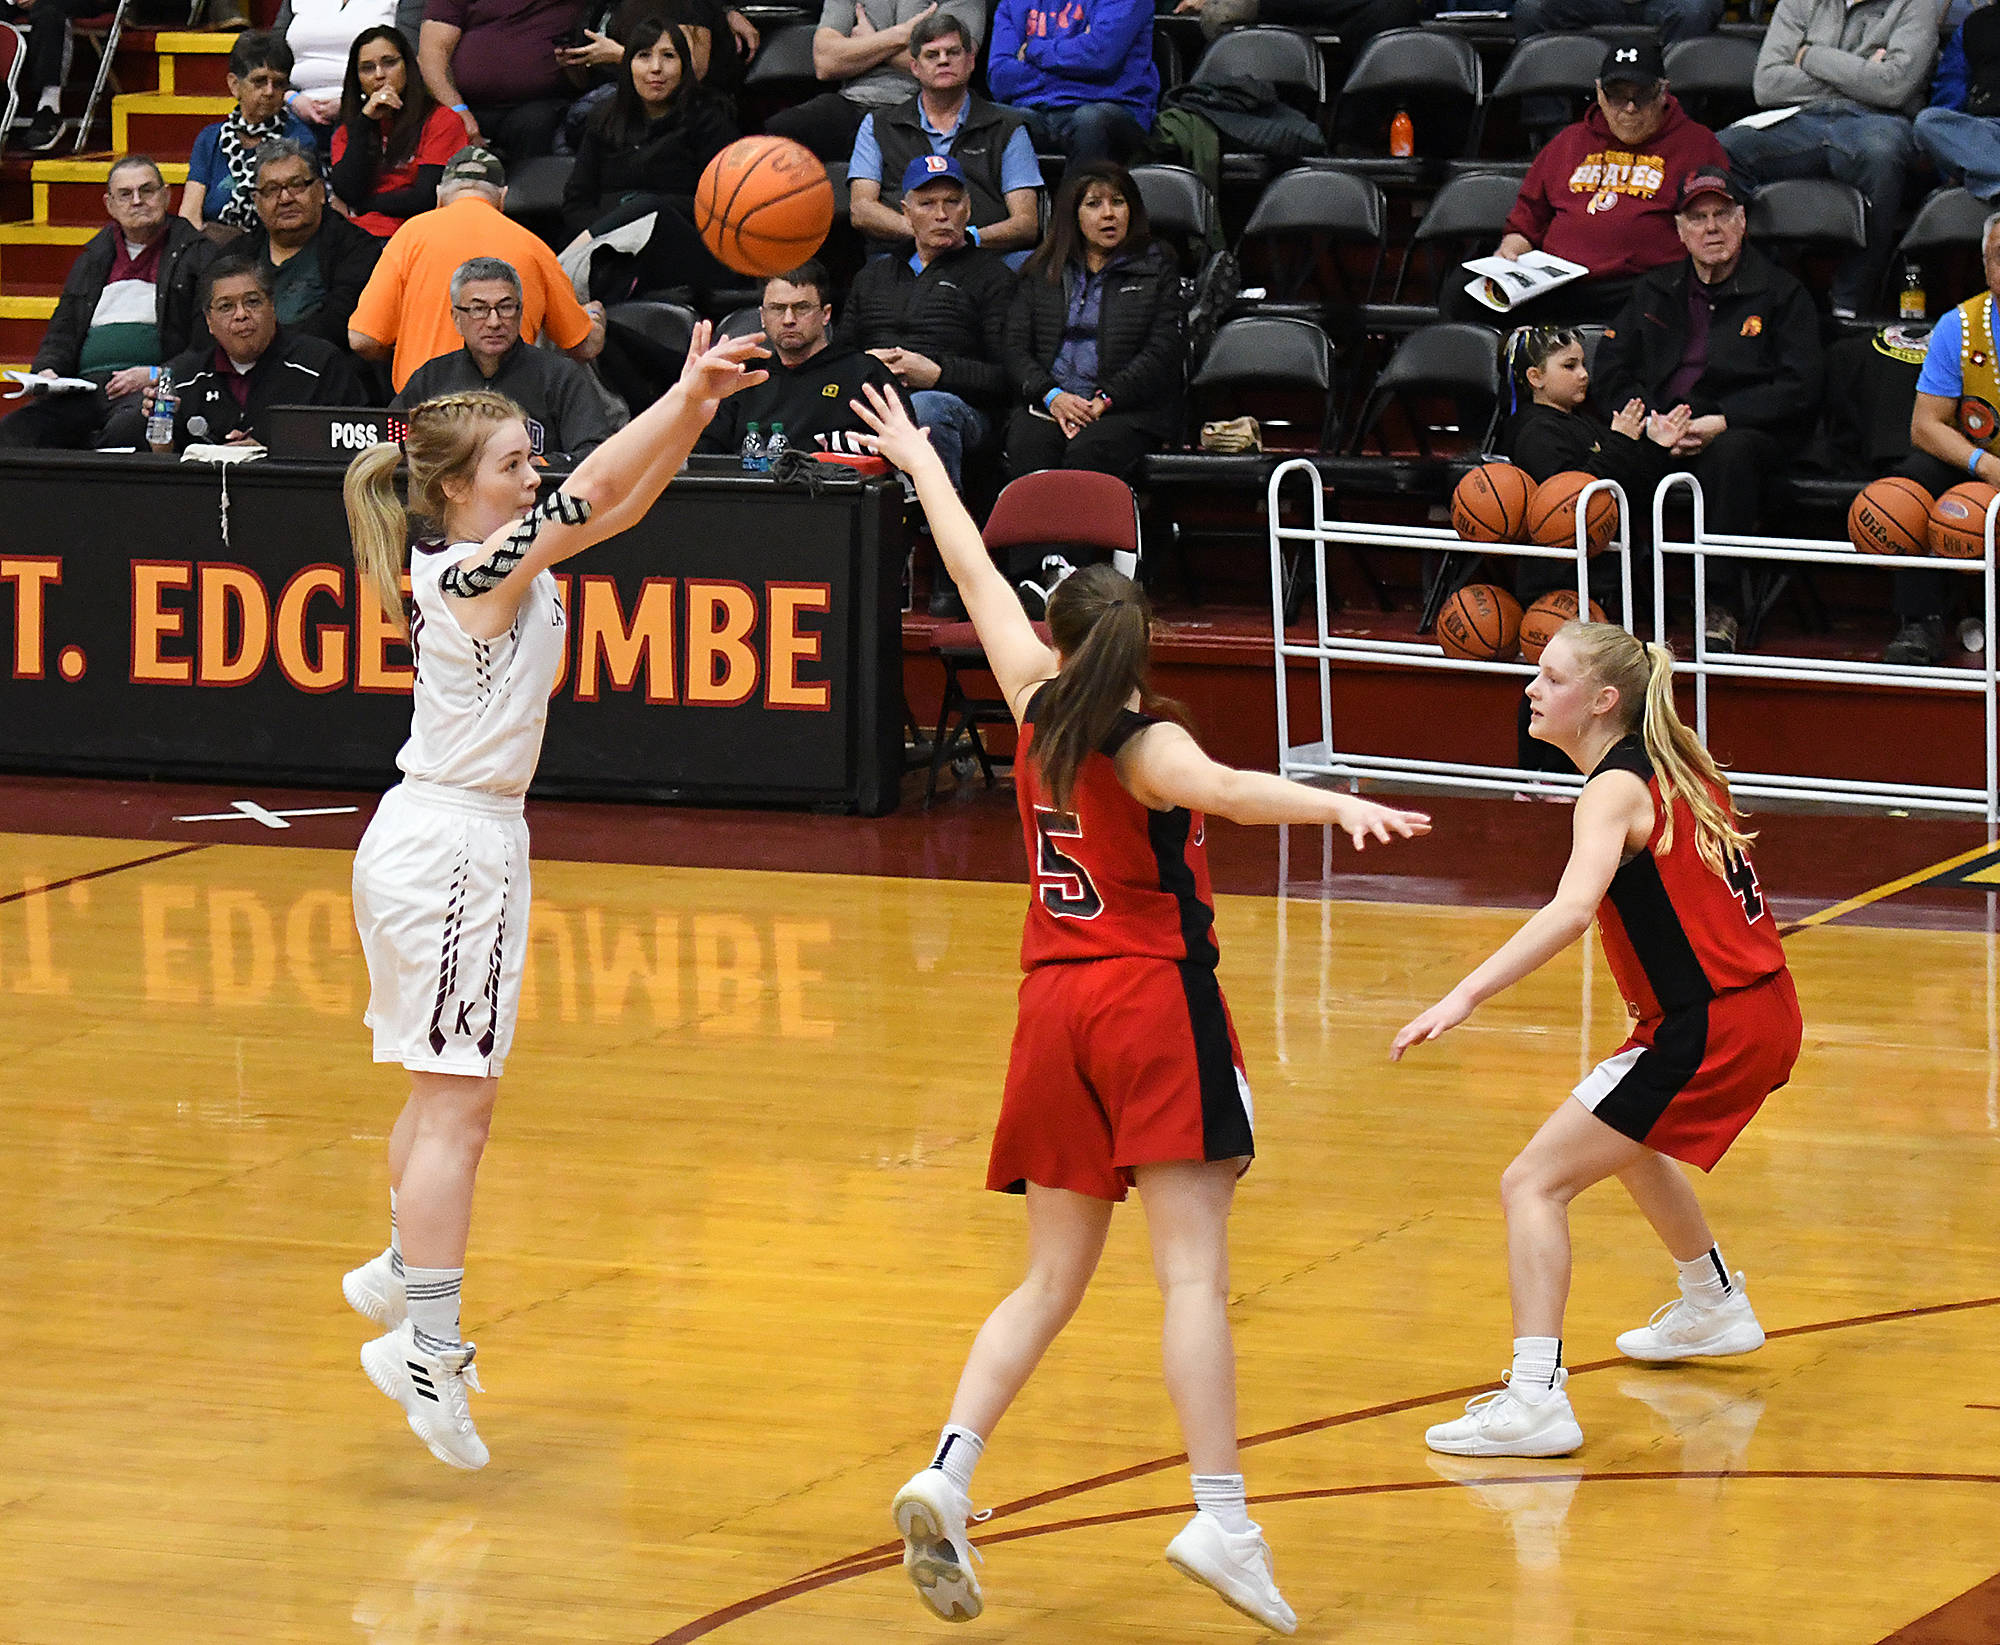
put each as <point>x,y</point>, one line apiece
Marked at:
<point>1552,512</point>
<point>1958,521</point>
<point>1541,621</point>
<point>764,205</point>
<point>1891,516</point>
<point>1480,623</point>
<point>1490,505</point>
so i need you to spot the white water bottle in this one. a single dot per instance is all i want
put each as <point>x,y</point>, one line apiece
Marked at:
<point>776,446</point>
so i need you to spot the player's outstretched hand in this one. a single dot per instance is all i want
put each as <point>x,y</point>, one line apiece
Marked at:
<point>1365,820</point>
<point>895,437</point>
<point>714,371</point>
<point>1446,1015</point>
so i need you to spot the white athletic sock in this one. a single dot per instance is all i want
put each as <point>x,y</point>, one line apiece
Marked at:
<point>1706,1282</point>
<point>1536,1361</point>
<point>1222,1496</point>
<point>958,1453</point>
<point>51,99</point>
<point>434,1306</point>
<point>395,1239</point>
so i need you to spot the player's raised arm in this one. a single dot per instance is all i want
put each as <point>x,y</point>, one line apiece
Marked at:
<point>611,490</point>
<point>1164,767</point>
<point>1612,808</point>
<point>1019,657</point>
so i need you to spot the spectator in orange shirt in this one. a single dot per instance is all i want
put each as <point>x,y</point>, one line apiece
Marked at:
<point>406,305</point>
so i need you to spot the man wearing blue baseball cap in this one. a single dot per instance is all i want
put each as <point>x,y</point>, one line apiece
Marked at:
<point>938,318</point>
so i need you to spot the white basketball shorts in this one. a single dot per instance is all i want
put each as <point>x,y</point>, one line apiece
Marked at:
<point>441,898</point>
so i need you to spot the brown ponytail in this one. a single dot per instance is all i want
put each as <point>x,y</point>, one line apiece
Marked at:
<point>446,437</point>
<point>1102,625</point>
<point>1643,676</point>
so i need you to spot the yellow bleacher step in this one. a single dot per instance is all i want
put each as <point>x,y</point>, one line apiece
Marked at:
<point>215,45</point>
<point>26,308</point>
<point>125,106</point>
<point>46,234</point>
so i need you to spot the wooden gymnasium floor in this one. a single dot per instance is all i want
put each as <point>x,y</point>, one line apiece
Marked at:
<point>731,1246</point>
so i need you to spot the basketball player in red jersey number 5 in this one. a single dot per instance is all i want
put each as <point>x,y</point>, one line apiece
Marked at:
<point>1661,857</point>
<point>1125,1069</point>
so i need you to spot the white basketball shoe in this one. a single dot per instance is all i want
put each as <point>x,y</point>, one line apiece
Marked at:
<point>1238,1567</point>
<point>432,1389</point>
<point>1683,1329</point>
<point>375,1290</point>
<point>1507,1424</point>
<point>931,1514</point>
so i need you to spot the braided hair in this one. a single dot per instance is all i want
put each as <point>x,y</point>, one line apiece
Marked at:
<point>1528,348</point>
<point>447,436</point>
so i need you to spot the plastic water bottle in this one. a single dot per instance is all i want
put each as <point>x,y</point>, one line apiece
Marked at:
<point>776,446</point>
<point>160,420</point>
<point>754,459</point>
<point>1912,304</point>
<point>1402,135</point>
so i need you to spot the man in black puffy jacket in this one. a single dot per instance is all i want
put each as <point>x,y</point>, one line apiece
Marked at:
<point>1735,338</point>
<point>1095,342</point>
<point>938,318</point>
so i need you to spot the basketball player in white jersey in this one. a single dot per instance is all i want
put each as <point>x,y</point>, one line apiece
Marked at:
<point>441,879</point>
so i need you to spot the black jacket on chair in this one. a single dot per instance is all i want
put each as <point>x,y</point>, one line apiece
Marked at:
<point>1764,365</point>
<point>188,251</point>
<point>1141,341</point>
<point>955,313</point>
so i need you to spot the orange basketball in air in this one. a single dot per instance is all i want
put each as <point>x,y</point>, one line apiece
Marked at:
<point>764,206</point>
<point>1890,516</point>
<point>1958,521</point>
<point>1552,512</point>
<point>1480,623</point>
<point>1543,620</point>
<point>1490,505</point>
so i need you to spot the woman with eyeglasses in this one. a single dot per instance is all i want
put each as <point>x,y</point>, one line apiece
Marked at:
<point>1602,193</point>
<point>218,197</point>
<point>393,140</point>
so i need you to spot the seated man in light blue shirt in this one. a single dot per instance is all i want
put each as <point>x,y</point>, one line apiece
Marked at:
<point>990,143</point>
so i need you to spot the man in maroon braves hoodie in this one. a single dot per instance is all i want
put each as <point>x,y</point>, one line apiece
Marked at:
<point>1602,193</point>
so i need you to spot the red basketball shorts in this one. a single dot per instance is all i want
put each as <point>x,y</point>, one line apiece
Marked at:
<point>1688,1082</point>
<point>1118,1063</point>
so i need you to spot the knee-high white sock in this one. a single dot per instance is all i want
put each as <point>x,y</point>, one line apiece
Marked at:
<point>1222,1496</point>
<point>1536,1361</point>
<point>958,1453</point>
<point>395,1239</point>
<point>1706,1282</point>
<point>433,1296</point>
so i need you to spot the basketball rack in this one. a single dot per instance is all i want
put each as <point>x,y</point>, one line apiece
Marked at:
<point>1325,648</point>
<point>1703,546</point>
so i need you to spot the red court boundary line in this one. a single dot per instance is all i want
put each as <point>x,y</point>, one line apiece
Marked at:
<point>99,873</point>
<point>884,1555</point>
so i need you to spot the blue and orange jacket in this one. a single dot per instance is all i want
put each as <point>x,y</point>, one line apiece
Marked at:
<point>1076,51</point>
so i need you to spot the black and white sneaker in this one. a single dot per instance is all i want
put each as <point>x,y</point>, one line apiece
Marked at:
<point>1919,642</point>
<point>432,1389</point>
<point>41,133</point>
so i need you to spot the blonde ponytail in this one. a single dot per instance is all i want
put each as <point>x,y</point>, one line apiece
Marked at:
<point>446,437</point>
<point>379,527</point>
<point>1683,766</point>
<point>1643,676</point>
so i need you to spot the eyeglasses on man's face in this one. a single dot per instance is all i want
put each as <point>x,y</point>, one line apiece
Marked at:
<point>296,190</point>
<point>480,313</point>
<point>787,311</point>
<point>251,303</point>
<point>138,195</point>
<point>1622,94</point>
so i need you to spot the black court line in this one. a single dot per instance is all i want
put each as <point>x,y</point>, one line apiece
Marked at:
<point>884,1555</point>
<point>100,873</point>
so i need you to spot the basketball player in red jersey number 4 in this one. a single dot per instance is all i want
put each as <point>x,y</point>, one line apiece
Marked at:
<point>441,880</point>
<point>1125,1069</point>
<point>1661,858</point>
